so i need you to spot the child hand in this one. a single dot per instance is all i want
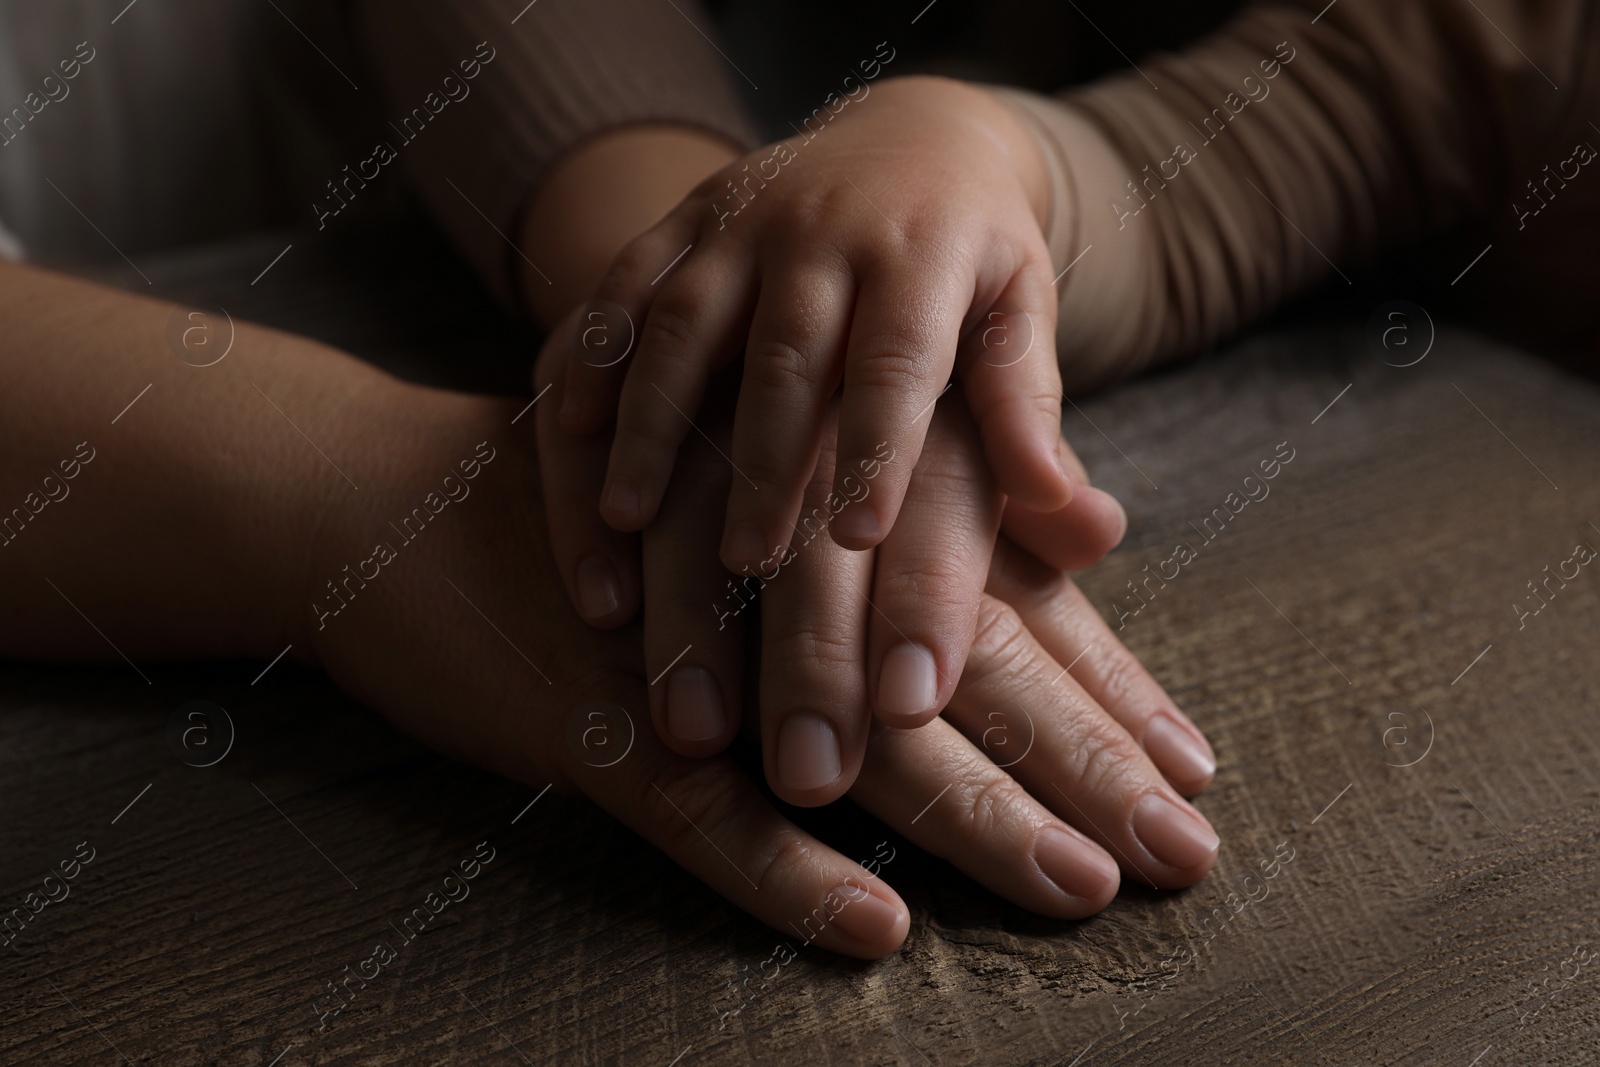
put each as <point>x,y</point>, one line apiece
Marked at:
<point>900,243</point>
<point>917,615</point>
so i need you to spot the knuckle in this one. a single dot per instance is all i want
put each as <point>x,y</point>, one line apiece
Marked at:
<point>995,408</point>
<point>815,643</point>
<point>815,650</point>
<point>673,325</point>
<point>779,368</point>
<point>690,798</point>
<point>934,586</point>
<point>820,203</point>
<point>649,429</point>
<point>1120,676</point>
<point>770,469</point>
<point>1102,764</point>
<point>1047,402</point>
<point>785,863</point>
<point>956,481</point>
<point>628,271</point>
<point>999,639</point>
<point>989,807</point>
<point>1032,411</point>
<point>646,440</point>
<point>890,362</point>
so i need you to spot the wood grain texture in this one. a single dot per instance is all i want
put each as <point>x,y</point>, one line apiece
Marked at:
<point>1422,909</point>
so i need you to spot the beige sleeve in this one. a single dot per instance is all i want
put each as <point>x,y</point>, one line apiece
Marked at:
<point>1202,188</point>
<point>562,72</point>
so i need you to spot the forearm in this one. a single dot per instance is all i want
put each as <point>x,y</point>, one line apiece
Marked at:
<point>180,523</point>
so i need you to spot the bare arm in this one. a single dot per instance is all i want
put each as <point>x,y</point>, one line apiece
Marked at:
<point>203,523</point>
<point>178,525</point>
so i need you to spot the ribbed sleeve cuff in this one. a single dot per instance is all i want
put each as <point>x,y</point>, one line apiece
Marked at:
<point>564,71</point>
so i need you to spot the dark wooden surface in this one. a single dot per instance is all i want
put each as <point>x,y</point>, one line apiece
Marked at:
<point>1442,912</point>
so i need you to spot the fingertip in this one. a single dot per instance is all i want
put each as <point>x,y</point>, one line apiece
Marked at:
<point>908,686</point>
<point>1068,460</point>
<point>870,923</point>
<point>622,506</point>
<point>857,528</point>
<point>745,547</point>
<point>1102,521</point>
<point>1030,459</point>
<point>808,767</point>
<point>599,591</point>
<point>1098,524</point>
<point>1177,837</point>
<point>1036,480</point>
<point>695,719</point>
<point>1180,752</point>
<point>901,721</point>
<point>1070,538</point>
<point>1119,520</point>
<point>604,591</point>
<point>1085,877</point>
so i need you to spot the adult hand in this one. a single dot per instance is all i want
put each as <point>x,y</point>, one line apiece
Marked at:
<point>1058,760</point>
<point>926,596</point>
<point>818,614</point>
<point>464,640</point>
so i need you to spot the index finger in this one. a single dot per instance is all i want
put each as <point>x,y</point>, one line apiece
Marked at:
<point>609,331</point>
<point>709,817</point>
<point>599,566</point>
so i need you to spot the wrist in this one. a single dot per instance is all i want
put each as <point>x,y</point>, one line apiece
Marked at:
<point>1027,153</point>
<point>329,451</point>
<point>1114,302</point>
<point>421,451</point>
<point>601,195</point>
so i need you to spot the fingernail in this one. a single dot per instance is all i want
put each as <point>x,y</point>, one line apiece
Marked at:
<point>1176,752</point>
<point>864,917</point>
<point>694,705</point>
<point>808,752</point>
<point>622,500</point>
<point>1176,836</point>
<point>858,523</point>
<point>746,545</point>
<point>599,592</point>
<point>908,682</point>
<point>1075,865</point>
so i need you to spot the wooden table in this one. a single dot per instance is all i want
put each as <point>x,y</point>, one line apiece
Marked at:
<point>1348,642</point>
